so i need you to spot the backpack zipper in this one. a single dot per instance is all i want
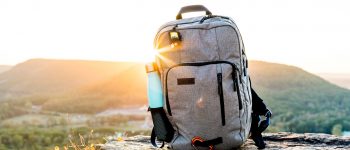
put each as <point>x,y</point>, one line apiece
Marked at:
<point>196,21</point>
<point>221,95</point>
<point>234,78</point>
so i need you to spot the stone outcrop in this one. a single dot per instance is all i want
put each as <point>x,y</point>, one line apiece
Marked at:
<point>275,141</point>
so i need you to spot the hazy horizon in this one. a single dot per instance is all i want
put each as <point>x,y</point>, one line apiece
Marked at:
<point>72,59</point>
<point>305,33</point>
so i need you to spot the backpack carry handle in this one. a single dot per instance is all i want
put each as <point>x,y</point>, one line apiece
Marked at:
<point>192,8</point>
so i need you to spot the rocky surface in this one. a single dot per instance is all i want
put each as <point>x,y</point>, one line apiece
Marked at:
<point>275,141</point>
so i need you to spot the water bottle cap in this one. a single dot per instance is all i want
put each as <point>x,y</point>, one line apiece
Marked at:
<point>151,67</point>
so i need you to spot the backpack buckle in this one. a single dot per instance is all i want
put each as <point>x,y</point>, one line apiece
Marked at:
<point>174,36</point>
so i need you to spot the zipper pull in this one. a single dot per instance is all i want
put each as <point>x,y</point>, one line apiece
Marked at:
<point>219,76</point>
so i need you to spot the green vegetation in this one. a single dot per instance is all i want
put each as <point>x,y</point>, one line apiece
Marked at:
<point>23,126</point>
<point>337,129</point>
<point>32,138</point>
<point>45,130</point>
<point>301,102</point>
<point>35,138</point>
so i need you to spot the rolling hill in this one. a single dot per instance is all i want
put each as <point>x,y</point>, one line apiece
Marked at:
<point>300,101</point>
<point>127,88</point>
<point>54,77</point>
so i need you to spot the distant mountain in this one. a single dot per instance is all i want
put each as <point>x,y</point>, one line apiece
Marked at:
<point>342,80</point>
<point>300,101</point>
<point>54,77</point>
<point>4,68</point>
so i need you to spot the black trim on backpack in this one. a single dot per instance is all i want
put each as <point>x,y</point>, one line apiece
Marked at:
<point>234,78</point>
<point>221,94</point>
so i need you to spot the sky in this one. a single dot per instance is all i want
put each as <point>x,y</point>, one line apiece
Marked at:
<point>311,34</point>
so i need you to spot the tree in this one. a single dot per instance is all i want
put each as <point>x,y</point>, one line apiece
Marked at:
<point>337,129</point>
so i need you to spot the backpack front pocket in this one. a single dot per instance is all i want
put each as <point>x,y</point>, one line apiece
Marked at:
<point>201,99</point>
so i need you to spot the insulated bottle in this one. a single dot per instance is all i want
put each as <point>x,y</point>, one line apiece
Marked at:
<point>155,95</point>
<point>162,130</point>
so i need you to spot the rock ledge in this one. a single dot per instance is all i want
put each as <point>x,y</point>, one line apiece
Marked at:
<point>275,141</point>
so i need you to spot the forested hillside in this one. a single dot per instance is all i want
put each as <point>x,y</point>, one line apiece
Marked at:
<point>301,102</point>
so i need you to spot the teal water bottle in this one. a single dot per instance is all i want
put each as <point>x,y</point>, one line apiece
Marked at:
<point>162,129</point>
<point>154,89</point>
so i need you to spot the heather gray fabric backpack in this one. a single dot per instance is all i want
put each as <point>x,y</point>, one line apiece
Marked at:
<point>205,81</point>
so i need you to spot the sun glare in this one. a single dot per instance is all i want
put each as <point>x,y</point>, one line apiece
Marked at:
<point>150,56</point>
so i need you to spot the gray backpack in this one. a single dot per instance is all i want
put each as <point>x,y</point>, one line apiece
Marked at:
<point>205,81</point>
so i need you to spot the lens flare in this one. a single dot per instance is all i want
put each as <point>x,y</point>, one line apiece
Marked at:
<point>162,51</point>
